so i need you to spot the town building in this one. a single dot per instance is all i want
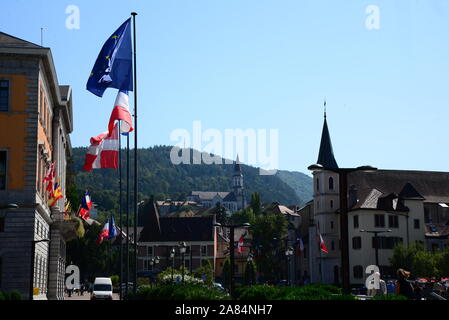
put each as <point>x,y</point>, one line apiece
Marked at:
<point>233,200</point>
<point>35,123</point>
<point>160,235</point>
<point>385,207</point>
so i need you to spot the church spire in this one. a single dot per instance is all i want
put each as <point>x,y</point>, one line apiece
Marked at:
<point>326,155</point>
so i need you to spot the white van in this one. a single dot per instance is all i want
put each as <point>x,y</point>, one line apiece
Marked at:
<point>102,289</point>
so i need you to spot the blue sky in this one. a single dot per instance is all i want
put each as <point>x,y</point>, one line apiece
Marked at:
<point>266,64</point>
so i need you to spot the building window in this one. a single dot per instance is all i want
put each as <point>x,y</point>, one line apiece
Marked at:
<point>4,95</point>
<point>332,245</point>
<point>416,223</point>
<point>427,218</point>
<point>332,224</point>
<point>331,183</point>
<point>3,159</point>
<point>356,221</point>
<point>386,242</point>
<point>317,184</point>
<point>379,220</point>
<point>149,251</point>
<point>203,250</point>
<point>357,243</point>
<point>393,221</point>
<point>358,272</point>
<point>1,271</point>
<point>2,224</point>
<point>332,204</point>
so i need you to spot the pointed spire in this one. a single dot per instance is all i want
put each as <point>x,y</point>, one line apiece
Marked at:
<point>324,108</point>
<point>237,167</point>
<point>326,155</point>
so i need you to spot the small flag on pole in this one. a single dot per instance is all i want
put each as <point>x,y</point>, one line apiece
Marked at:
<point>240,247</point>
<point>121,112</point>
<point>322,244</point>
<point>113,67</point>
<point>103,151</point>
<point>86,205</point>
<point>104,233</point>
<point>112,228</point>
<point>55,195</point>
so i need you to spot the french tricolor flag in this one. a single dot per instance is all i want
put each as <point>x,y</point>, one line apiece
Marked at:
<point>103,151</point>
<point>121,112</point>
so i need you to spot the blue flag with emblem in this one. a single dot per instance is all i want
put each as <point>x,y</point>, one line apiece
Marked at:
<point>113,67</point>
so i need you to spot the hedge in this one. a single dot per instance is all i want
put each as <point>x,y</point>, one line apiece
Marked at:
<point>178,292</point>
<point>10,295</point>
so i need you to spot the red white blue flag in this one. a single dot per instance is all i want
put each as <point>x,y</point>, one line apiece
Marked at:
<point>121,112</point>
<point>86,205</point>
<point>104,233</point>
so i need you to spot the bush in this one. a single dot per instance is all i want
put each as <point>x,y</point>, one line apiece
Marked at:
<point>390,297</point>
<point>178,292</point>
<point>11,295</point>
<point>309,292</point>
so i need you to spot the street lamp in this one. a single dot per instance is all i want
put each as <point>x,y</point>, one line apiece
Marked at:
<point>249,259</point>
<point>33,252</point>
<point>288,254</point>
<point>376,242</point>
<point>182,250</point>
<point>172,256</point>
<point>344,233</point>
<point>154,261</point>
<point>9,206</point>
<point>232,249</point>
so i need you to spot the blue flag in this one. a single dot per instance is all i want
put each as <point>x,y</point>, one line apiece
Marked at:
<point>112,229</point>
<point>113,68</point>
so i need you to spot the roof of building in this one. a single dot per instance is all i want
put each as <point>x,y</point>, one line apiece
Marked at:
<point>7,40</point>
<point>382,188</point>
<point>326,154</point>
<point>230,197</point>
<point>208,195</point>
<point>180,229</point>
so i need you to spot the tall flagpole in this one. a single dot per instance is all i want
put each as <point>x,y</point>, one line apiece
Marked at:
<point>120,206</point>
<point>135,153</point>
<point>127,215</point>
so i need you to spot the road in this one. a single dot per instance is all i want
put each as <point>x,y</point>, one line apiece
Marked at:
<point>86,296</point>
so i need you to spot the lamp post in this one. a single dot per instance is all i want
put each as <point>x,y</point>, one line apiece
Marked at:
<point>344,233</point>
<point>172,256</point>
<point>288,254</point>
<point>8,206</point>
<point>376,242</point>
<point>249,259</point>
<point>182,250</point>
<point>33,252</point>
<point>232,249</point>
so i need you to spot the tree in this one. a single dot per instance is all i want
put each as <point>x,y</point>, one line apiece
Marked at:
<point>243,216</point>
<point>414,258</point>
<point>249,277</point>
<point>256,204</point>
<point>264,230</point>
<point>226,273</point>
<point>206,272</point>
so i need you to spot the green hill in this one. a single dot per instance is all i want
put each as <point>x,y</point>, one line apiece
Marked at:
<point>159,177</point>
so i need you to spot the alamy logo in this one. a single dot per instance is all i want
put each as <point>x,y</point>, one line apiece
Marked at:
<point>255,147</point>
<point>73,280</point>
<point>372,22</point>
<point>73,19</point>
<point>373,280</point>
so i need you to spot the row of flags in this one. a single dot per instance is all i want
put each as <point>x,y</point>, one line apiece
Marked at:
<point>112,69</point>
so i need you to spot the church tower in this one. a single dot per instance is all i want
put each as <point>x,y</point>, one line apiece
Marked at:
<point>326,203</point>
<point>237,185</point>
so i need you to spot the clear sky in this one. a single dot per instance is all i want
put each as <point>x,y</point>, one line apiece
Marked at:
<point>267,64</point>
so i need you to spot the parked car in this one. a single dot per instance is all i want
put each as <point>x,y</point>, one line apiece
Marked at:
<point>218,286</point>
<point>102,289</point>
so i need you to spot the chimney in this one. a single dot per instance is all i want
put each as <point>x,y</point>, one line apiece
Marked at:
<point>352,196</point>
